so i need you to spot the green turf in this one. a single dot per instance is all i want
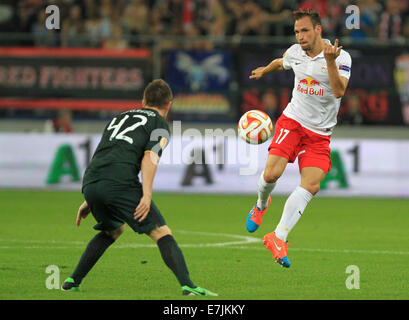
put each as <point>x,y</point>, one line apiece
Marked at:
<point>37,229</point>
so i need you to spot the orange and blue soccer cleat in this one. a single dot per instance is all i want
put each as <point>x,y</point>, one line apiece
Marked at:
<point>255,216</point>
<point>278,248</point>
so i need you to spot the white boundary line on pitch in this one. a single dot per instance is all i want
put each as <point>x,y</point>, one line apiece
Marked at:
<point>243,240</point>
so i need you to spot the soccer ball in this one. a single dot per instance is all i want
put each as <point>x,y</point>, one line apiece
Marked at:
<point>255,127</point>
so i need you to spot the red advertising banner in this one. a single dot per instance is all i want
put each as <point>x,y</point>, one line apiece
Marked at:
<point>76,78</point>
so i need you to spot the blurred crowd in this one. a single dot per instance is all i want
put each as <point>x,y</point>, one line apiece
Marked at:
<point>119,24</point>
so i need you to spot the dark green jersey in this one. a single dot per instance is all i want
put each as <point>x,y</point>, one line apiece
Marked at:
<point>123,144</point>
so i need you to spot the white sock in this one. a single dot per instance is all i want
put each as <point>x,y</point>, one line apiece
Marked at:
<point>293,209</point>
<point>264,190</point>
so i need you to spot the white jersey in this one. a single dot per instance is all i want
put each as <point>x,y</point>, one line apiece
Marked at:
<point>313,103</point>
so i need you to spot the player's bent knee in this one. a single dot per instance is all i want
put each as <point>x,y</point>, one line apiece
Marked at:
<point>312,188</point>
<point>271,176</point>
<point>114,234</point>
<point>159,232</point>
<point>275,167</point>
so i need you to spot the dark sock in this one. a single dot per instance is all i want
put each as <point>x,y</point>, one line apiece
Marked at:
<point>173,257</point>
<point>96,247</point>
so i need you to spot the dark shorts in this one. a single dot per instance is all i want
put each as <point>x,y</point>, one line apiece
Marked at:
<point>113,205</point>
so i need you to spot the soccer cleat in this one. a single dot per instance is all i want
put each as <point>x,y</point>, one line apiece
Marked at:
<point>188,291</point>
<point>278,247</point>
<point>70,285</point>
<point>255,216</point>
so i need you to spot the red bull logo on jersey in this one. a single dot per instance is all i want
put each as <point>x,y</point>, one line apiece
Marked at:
<point>310,86</point>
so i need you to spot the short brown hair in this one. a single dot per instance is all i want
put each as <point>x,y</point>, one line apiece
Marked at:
<point>314,16</point>
<point>157,94</point>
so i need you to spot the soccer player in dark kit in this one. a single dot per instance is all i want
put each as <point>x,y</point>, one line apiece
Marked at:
<point>131,143</point>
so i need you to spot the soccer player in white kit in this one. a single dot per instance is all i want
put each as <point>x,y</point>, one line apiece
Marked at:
<point>322,71</point>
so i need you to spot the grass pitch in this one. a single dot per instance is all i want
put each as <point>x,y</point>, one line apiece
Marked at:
<point>37,229</point>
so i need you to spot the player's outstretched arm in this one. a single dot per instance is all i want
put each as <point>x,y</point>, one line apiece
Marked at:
<point>82,213</point>
<point>148,170</point>
<point>274,66</point>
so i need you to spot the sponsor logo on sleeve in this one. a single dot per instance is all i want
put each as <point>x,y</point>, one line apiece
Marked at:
<point>344,68</point>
